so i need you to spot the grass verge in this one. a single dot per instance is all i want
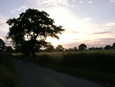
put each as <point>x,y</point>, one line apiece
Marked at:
<point>97,67</point>
<point>8,71</point>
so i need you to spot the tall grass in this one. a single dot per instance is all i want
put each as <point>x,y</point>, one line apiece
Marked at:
<point>94,65</point>
<point>98,66</point>
<point>8,71</point>
<point>90,61</point>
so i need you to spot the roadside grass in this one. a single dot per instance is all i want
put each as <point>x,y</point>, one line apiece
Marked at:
<point>99,77</point>
<point>95,65</point>
<point>8,71</point>
<point>60,54</point>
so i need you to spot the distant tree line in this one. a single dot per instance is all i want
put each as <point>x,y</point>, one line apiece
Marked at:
<point>50,48</point>
<point>107,47</point>
<point>4,48</point>
<point>60,48</point>
<point>96,48</point>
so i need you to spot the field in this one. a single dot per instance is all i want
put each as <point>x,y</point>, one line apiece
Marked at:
<point>60,54</point>
<point>94,64</point>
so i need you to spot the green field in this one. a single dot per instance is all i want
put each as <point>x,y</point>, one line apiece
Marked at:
<point>59,54</point>
<point>93,64</point>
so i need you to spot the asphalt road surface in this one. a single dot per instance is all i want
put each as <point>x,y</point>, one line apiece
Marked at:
<point>33,75</point>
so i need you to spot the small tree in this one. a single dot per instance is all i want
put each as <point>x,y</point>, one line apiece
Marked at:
<point>59,48</point>
<point>30,30</point>
<point>9,49</point>
<point>113,46</point>
<point>50,47</point>
<point>107,47</point>
<point>75,48</point>
<point>82,47</point>
<point>2,45</point>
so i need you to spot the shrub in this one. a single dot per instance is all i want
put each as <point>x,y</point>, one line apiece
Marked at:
<point>8,73</point>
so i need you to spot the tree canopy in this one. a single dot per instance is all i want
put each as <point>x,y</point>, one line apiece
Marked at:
<point>59,48</point>
<point>9,49</point>
<point>50,47</point>
<point>2,45</point>
<point>113,45</point>
<point>82,47</point>
<point>31,29</point>
<point>107,47</point>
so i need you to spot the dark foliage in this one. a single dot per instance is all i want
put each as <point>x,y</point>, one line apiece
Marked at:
<point>50,47</point>
<point>31,29</point>
<point>113,46</point>
<point>82,47</point>
<point>94,61</point>
<point>2,45</point>
<point>9,49</point>
<point>96,48</point>
<point>59,48</point>
<point>107,47</point>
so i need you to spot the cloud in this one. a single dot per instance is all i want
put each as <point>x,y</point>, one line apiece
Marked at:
<point>73,6</point>
<point>73,0</point>
<point>22,7</point>
<point>88,19</point>
<point>105,41</point>
<point>105,32</point>
<point>3,25</point>
<point>53,2</point>
<point>110,24</point>
<point>2,37</point>
<point>81,2</point>
<point>112,0</point>
<point>72,32</point>
<point>99,42</point>
<point>90,1</point>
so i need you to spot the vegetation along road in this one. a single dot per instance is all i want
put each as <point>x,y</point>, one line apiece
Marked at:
<point>33,75</point>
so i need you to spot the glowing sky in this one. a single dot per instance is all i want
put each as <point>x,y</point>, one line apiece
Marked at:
<point>91,22</point>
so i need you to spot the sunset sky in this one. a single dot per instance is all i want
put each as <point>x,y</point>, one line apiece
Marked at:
<point>91,22</point>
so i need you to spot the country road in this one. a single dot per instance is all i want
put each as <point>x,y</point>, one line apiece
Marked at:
<point>33,75</point>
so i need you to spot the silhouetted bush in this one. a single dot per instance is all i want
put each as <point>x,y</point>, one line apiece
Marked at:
<point>8,71</point>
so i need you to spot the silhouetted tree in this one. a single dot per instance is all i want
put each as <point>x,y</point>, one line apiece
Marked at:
<point>2,45</point>
<point>50,47</point>
<point>30,30</point>
<point>82,47</point>
<point>9,49</point>
<point>113,46</point>
<point>96,48</point>
<point>107,47</point>
<point>59,48</point>
<point>17,47</point>
<point>75,48</point>
<point>71,49</point>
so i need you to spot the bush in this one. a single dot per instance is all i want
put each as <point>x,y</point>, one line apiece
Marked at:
<point>8,73</point>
